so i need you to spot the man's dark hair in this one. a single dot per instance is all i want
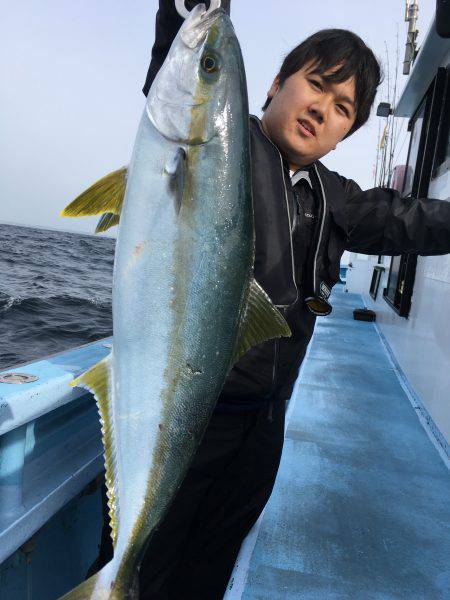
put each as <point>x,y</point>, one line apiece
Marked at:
<point>340,48</point>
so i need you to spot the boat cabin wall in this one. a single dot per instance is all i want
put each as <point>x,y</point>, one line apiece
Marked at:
<point>411,295</point>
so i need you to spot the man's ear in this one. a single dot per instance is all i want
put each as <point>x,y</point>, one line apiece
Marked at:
<point>274,87</point>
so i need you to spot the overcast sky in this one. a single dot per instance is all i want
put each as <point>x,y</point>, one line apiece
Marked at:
<point>71,76</point>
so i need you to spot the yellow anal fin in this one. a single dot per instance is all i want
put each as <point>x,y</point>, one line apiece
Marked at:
<point>104,196</point>
<point>260,321</point>
<point>98,381</point>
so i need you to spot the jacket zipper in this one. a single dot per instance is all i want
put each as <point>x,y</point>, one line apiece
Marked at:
<point>297,212</point>
<point>289,218</point>
<point>319,241</point>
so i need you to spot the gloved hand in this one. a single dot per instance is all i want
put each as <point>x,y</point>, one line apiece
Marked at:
<point>168,22</point>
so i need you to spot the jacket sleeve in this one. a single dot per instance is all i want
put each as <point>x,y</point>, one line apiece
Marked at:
<point>380,221</point>
<point>168,22</point>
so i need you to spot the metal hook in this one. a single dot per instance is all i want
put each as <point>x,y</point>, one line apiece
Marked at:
<point>183,11</point>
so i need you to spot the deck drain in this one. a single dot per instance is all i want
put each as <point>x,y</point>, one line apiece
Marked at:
<point>17,378</point>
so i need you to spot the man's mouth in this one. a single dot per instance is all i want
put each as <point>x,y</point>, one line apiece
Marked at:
<point>306,128</point>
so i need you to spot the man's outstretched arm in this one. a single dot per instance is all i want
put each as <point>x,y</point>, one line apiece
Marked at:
<point>380,221</point>
<point>168,22</point>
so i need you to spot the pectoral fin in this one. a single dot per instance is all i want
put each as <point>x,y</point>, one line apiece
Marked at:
<point>98,381</point>
<point>175,167</point>
<point>261,321</point>
<point>106,221</point>
<point>103,197</point>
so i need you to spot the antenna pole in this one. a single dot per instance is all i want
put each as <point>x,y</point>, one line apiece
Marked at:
<point>411,14</point>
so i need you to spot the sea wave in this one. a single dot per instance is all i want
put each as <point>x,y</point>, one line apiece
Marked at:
<point>51,303</point>
<point>55,292</point>
<point>6,302</point>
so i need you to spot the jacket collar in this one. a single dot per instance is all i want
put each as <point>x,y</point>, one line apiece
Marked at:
<point>301,174</point>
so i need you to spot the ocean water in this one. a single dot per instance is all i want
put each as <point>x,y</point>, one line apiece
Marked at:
<point>55,291</point>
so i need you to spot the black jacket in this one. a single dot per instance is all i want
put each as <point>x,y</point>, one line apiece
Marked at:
<point>376,221</point>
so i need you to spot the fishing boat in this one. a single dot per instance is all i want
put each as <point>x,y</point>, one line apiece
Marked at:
<point>361,500</point>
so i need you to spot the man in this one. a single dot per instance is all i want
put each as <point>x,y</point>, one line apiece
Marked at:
<point>305,217</point>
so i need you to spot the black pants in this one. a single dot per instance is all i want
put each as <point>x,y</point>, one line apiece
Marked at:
<point>230,480</point>
<point>192,555</point>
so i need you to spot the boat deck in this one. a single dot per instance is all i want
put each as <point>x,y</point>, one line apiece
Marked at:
<point>361,504</point>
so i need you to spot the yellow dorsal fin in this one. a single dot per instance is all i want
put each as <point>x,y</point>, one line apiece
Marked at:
<point>104,196</point>
<point>97,381</point>
<point>261,321</point>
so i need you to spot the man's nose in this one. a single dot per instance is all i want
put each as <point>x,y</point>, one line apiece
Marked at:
<point>316,112</point>
<point>319,109</point>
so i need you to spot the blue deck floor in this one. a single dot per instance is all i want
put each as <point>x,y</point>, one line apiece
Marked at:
<point>361,506</point>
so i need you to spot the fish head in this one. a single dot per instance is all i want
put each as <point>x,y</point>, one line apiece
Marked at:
<point>190,92</point>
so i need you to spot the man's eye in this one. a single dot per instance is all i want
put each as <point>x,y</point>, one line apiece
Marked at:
<point>316,84</point>
<point>342,109</point>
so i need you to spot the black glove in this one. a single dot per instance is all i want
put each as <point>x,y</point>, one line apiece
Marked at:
<point>225,4</point>
<point>168,22</point>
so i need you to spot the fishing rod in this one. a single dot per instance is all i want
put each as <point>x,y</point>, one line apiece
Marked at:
<point>387,144</point>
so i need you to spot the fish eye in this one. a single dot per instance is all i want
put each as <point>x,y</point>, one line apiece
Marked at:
<point>209,63</point>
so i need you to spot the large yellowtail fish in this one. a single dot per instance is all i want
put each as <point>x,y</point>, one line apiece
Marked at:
<point>185,304</point>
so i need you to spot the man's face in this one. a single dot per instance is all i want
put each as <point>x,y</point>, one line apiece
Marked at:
<point>308,116</point>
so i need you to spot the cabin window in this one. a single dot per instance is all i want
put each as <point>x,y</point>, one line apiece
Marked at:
<point>424,126</point>
<point>414,144</point>
<point>375,283</point>
<point>442,159</point>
